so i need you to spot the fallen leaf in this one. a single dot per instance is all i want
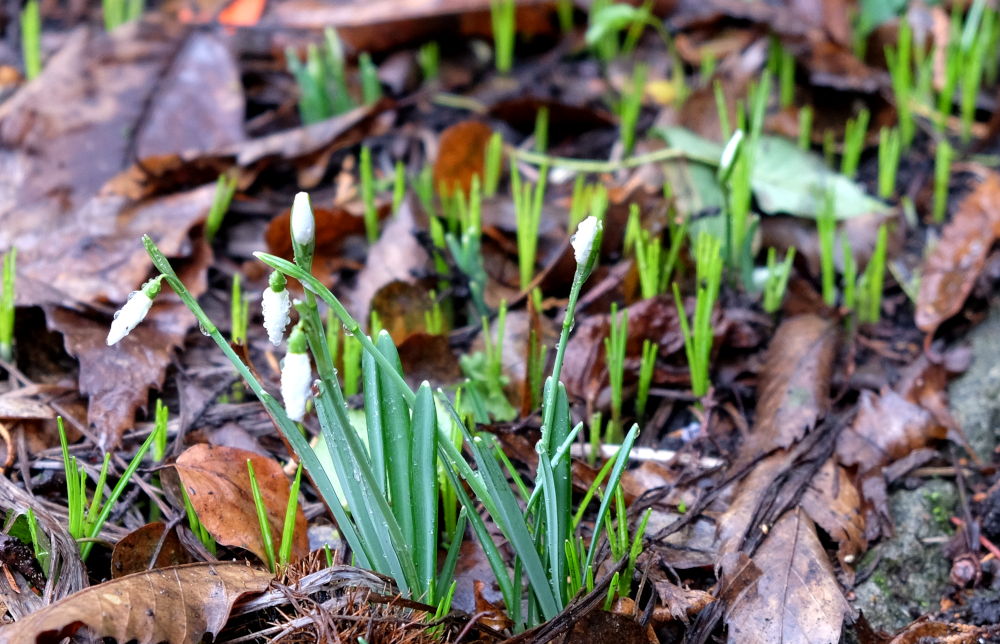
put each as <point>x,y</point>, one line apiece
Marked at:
<point>179,604</point>
<point>401,307</point>
<point>461,156</point>
<point>134,552</point>
<point>797,598</point>
<point>218,483</point>
<point>833,502</point>
<point>952,268</point>
<point>794,387</point>
<point>681,603</point>
<point>429,357</point>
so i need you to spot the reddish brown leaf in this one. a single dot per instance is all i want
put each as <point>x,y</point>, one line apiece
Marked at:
<point>461,156</point>
<point>955,263</point>
<point>401,307</point>
<point>832,501</point>
<point>218,483</point>
<point>429,357</point>
<point>797,598</point>
<point>135,551</point>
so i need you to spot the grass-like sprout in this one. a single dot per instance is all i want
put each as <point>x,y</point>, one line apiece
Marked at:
<point>587,199</point>
<point>423,186</point>
<point>288,527</point>
<point>536,360</point>
<point>434,318</point>
<point>564,11</point>
<point>805,127</point>
<point>721,109</point>
<point>900,62</point>
<point>86,520</point>
<point>225,189</point>
<point>829,147</point>
<point>31,39</point>
<point>280,557</point>
<point>239,313</point>
<point>972,73</point>
<point>631,106</point>
<point>873,280</point>
<point>267,540</point>
<point>697,332</point>
<point>707,66</point>
<point>429,59</point>
<point>647,367</point>
<point>196,526</point>
<point>371,86</point>
<point>850,274</point>
<point>777,278</point>
<point>528,202</point>
<point>889,149</point>
<point>953,65</point>
<point>118,12</point>
<point>942,173</point>
<point>826,229</point>
<point>655,264</point>
<point>493,165</point>
<point>781,64</point>
<point>854,142</point>
<point>503,18</point>
<point>7,305</point>
<point>614,351</point>
<point>623,546</point>
<point>368,194</point>
<point>321,79</point>
<point>542,129</point>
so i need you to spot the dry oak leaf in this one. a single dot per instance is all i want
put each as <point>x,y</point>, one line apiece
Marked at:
<point>952,268</point>
<point>217,481</point>
<point>178,604</point>
<point>461,156</point>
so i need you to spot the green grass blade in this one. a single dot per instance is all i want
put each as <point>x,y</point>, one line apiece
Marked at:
<point>398,440</point>
<point>424,492</point>
<point>621,460</point>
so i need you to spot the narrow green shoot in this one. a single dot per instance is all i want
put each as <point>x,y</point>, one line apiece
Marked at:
<point>854,142</point>
<point>434,318</point>
<point>942,174</point>
<point>542,129</point>
<point>829,147</point>
<point>239,313</point>
<point>873,281</point>
<point>266,539</point>
<point>945,99</point>
<point>528,202</point>
<point>371,86</point>
<point>288,526</point>
<point>493,165</point>
<point>722,110</point>
<point>826,228</point>
<point>706,69</point>
<point>777,279</point>
<point>423,186</point>
<point>39,541</point>
<point>698,336</point>
<point>161,417</point>
<point>398,186</point>
<point>7,306</point>
<point>850,274</point>
<point>890,147</point>
<point>368,194</point>
<point>118,12</point>
<point>972,73</point>
<point>564,10</point>
<point>196,525</point>
<point>587,199</point>
<point>614,351</point>
<point>31,39</point>
<point>225,189</point>
<point>429,59</point>
<point>321,79</point>
<point>900,62</point>
<point>503,18</point>
<point>647,366</point>
<point>631,106</point>
<point>805,127</point>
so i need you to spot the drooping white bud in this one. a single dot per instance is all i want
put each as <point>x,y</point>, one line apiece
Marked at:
<point>134,311</point>
<point>729,154</point>
<point>275,304</point>
<point>583,240</point>
<point>296,376</point>
<point>303,224</point>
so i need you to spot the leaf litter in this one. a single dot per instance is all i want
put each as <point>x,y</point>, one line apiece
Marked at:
<point>766,495</point>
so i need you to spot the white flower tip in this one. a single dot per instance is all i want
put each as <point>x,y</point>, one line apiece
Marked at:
<point>729,152</point>
<point>303,225</point>
<point>296,384</point>
<point>275,306</point>
<point>583,240</point>
<point>130,315</point>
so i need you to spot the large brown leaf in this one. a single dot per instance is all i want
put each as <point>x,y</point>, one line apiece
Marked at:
<point>178,604</point>
<point>218,483</point>
<point>955,263</point>
<point>797,598</point>
<point>794,387</point>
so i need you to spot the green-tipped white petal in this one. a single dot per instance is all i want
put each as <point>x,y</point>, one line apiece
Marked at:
<point>303,224</point>
<point>134,311</point>
<point>583,240</point>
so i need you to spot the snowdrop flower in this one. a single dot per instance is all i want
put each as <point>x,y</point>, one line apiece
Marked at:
<point>729,154</point>
<point>275,305</point>
<point>303,224</point>
<point>135,310</point>
<point>296,376</point>
<point>587,232</point>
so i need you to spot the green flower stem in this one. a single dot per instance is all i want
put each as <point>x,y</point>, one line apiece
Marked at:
<point>350,324</point>
<point>597,167</point>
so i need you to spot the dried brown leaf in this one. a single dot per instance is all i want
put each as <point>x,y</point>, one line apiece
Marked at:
<point>461,156</point>
<point>178,604</point>
<point>955,263</point>
<point>218,483</point>
<point>833,502</point>
<point>134,552</point>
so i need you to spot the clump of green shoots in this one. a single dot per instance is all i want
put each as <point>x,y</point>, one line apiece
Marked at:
<point>503,18</point>
<point>777,278</point>
<point>854,142</point>
<point>225,189</point>
<point>493,165</point>
<point>614,351</point>
<point>118,12</point>
<point>655,264</point>
<point>429,59</point>
<point>977,36</point>
<point>368,194</point>
<point>528,202</point>
<point>646,368</point>
<point>698,336</point>
<point>622,546</point>
<point>7,305</point>
<point>900,62</point>
<point>371,86</point>
<point>275,561</point>
<point>31,39</point>
<point>781,65</point>
<point>942,173</point>
<point>889,149</point>
<point>826,228</point>
<point>872,281</point>
<point>587,199</point>
<point>321,79</point>
<point>631,105</point>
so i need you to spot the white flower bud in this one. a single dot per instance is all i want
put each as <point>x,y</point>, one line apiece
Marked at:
<point>583,240</point>
<point>133,312</point>
<point>729,153</point>
<point>303,225</point>
<point>296,384</point>
<point>275,306</point>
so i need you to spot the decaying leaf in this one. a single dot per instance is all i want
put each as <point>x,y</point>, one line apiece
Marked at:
<point>134,553</point>
<point>955,263</point>
<point>461,156</point>
<point>833,502</point>
<point>218,483</point>
<point>179,604</point>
